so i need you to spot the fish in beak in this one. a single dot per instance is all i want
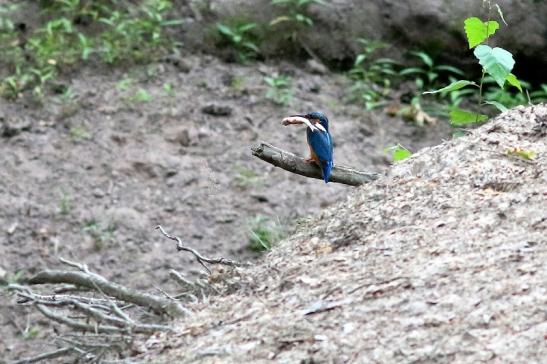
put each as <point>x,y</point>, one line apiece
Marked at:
<point>301,119</point>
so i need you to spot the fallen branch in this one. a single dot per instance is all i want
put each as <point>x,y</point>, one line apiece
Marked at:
<point>45,356</point>
<point>200,258</point>
<point>95,281</point>
<point>298,165</point>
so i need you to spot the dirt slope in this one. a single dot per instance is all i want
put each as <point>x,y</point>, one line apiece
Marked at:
<point>443,261</point>
<point>88,177</point>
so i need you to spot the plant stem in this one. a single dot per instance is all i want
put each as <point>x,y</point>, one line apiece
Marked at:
<point>480,95</point>
<point>479,106</point>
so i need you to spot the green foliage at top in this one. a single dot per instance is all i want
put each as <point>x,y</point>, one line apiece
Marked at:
<point>496,62</point>
<point>74,31</point>
<point>478,31</point>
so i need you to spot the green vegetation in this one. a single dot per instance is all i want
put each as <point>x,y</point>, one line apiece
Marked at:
<point>279,89</point>
<point>375,80</point>
<point>428,73</point>
<point>496,62</point>
<point>241,38</point>
<point>79,133</point>
<point>65,204</point>
<point>11,278</point>
<point>264,233</point>
<point>139,97</point>
<point>373,77</point>
<point>80,31</point>
<point>295,16</point>
<point>521,153</point>
<point>101,234</point>
<point>238,83</point>
<point>539,95</point>
<point>247,178</point>
<point>30,332</point>
<point>398,152</point>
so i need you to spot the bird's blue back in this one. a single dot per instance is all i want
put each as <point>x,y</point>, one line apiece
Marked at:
<point>321,143</point>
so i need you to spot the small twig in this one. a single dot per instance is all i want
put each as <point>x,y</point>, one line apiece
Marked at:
<point>50,355</point>
<point>292,163</point>
<point>96,328</point>
<point>200,258</point>
<point>82,267</point>
<point>100,312</point>
<point>180,279</point>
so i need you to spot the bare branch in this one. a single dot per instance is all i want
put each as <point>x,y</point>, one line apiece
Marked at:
<point>77,325</point>
<point>115,308</point>
<point>180,279</point>
<point>298,165</point>
<point>94,281</point>
<point>200,258</point>
<point>50,355</point>
<point>100,312</point>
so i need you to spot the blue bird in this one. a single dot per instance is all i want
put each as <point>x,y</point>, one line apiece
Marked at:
<point>319,139</point>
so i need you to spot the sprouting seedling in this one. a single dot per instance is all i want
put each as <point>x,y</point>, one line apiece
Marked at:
<point>496,62</point>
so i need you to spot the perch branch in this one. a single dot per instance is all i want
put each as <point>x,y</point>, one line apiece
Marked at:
<point>200,258</point>
<point>298,165</point>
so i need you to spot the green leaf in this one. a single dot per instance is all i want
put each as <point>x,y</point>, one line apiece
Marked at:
<point>424,57</point>
<point>497,105</point>
<point>456,85</point>
<point>514,81</point>
<point>450,69</point>
<point>246,27</point>
<point>360,59</point>
<point>496,61</point>
<point>251,46</point>
<point>411,70</point>
<point>400,153</point>
<point>224,29</point>
<point>521,153</point>
<point>478,31</point>
<point>170,23</point>
<point>459,117</point>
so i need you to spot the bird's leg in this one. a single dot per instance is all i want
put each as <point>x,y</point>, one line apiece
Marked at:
<point>313,157</point>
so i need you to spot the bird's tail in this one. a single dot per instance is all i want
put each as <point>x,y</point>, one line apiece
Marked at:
<point>326,168</point>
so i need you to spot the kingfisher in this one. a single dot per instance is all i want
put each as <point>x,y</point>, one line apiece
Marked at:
<point>319,139</point>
